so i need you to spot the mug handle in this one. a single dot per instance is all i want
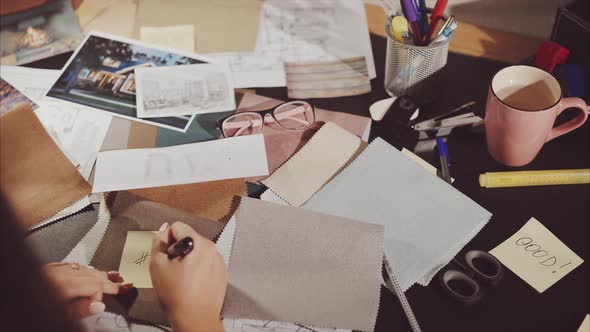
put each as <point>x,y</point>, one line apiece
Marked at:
<point>574,123</point>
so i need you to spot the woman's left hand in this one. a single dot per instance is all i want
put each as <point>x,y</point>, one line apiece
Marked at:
<point>81,287</point>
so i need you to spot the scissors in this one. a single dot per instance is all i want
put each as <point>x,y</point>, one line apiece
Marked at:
<point>462,285</point>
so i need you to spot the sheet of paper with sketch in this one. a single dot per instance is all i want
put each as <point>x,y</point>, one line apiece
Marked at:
<point>184,90</point>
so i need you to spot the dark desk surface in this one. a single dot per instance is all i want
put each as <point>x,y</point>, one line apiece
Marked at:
<point>564,210</point>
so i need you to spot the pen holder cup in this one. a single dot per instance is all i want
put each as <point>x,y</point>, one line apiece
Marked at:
<point>414,70</point>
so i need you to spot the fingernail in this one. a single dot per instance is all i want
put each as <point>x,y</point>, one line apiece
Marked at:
<point>90,267</point>
<point>96,307</point>
<point>127,284</point>
<point>113,273</point>
<point>164,227</point>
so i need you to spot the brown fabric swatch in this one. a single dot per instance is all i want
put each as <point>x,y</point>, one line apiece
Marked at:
<point>133,213</point>
<point>281,144</point>
<point>297,266</point>
<point>142,135</point>
<point>212,200</point>
<point>36,179</point>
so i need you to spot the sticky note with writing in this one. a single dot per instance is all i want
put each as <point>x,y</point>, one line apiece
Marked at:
<point>135,261</point>
<point>537,256</point>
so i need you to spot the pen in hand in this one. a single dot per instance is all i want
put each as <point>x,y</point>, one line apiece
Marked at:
<point>180,248</point>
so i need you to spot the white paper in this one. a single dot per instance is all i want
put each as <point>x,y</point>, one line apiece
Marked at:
<point>32,82</point>
<point>253,70</point>
<point>303,30</point>
<point>315,30</point>
<point>184,90</point>
<point>251,325</point>
<point>77,131</point>
<point>229,158</point>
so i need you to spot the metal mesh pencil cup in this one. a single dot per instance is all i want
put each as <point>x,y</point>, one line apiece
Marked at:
<point>413,70</point>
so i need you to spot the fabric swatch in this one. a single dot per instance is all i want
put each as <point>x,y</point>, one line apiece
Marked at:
<point>83,251</point>
<point>36,179</point>
<point>211,200</point>
<point>327,79</point>
<point>427,221</point>
<point>281,144</point>
<point>314,164</point>
<point>306,261</point>
<point>132,213</point>
<point>53,242</point>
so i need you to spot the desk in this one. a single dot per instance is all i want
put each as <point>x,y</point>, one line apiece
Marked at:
<point>565,210</point>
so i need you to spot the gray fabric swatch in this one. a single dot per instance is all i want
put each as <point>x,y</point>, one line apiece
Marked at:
<point>427,221</point>
<point>133,213</point>
<point>298,266</point>
<point>54,241</point>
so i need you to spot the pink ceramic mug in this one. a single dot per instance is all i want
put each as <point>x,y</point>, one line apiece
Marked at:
<point>521,108</point>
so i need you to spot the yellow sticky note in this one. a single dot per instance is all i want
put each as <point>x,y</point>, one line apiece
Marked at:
<point>537,256</point>
<point>585,327</point>
<point>135,261</point>
<point>179,37</point>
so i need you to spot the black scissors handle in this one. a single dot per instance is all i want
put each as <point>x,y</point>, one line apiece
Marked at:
<point>462,285</point>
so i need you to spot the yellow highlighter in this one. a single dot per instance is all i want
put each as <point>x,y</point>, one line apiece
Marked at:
<point>399,28</point>
<point>534,178</point>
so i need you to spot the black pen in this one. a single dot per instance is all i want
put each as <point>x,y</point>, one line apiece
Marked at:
<point>180,248</point>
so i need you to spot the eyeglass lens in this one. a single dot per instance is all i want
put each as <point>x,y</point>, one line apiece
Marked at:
<point>294,115</point>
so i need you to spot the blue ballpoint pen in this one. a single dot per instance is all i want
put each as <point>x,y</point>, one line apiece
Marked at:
<point>411,14</point>
<point>445,161</point>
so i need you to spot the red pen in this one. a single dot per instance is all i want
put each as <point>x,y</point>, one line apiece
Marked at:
<point>436,15</point>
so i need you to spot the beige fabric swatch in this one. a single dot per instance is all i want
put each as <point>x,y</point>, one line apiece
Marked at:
<point>219,26</point>
<point>537,256</point>
<point>297,266</point>
<point>327,79</point>
<point>135,261</point>
<point>585,326</point>
<point>178,37</point>
<point>312,166</point>
<point>36,179</point>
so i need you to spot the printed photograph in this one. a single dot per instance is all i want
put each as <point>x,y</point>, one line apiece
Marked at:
<point>101,75</point>
<point>45,29</point>
<point>10,97</point>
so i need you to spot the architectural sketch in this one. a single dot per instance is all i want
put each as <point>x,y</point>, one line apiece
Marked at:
<point>250,325</point>
<point>184,90</point>
<point>305,30</point>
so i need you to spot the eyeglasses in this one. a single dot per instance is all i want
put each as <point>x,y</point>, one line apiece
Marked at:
<point>292,115</point>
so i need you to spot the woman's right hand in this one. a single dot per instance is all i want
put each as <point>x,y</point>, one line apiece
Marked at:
<point>191,288</point>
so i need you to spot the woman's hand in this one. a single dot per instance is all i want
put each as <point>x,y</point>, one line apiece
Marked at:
<point>81,287</point>
<point>191,288</point>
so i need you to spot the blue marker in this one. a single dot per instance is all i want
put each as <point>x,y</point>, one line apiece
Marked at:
<point>445,161</point>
